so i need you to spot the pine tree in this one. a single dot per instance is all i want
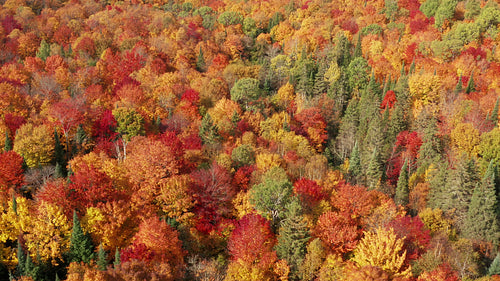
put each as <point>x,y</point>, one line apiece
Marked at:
<point>293,237</point>
<point>320,84</point>
<point>208,130</point>
<point>81,248</point>
<point>102,257</point>
<point>374,171</point>
<point>355,162</point>
<point>14,204</point>
<point>8,142</point>
<point>459,86</point>
<point>495,266</point>
<point>412,67</point>
<point>459,186</point>
<point>357,49</point>
<point>21,257</point>
<point>200,62</point>
<point>59,173</point>
<point>58,151</point>
<point>402,190</point>
<point>117,261</point>
<point>470,85</point>
<point>482,217</point>
<point>44,50</point>
<point>494,113</point>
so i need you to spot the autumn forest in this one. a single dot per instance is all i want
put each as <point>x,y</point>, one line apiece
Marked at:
<point>249,140</point>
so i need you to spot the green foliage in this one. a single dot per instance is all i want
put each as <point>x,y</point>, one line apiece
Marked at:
<point>81,248</point>
<point>430,7</point>
<point>44,50</point>
<point>315,256</point>
<point>208,130</point>
<point>274,21</point>
<point>243,155</point>
<point>21,257</point>
<point>102,259</point>
<point>470,85</point>
<point>200,62</point>
<point>117,261</point>
<point>402,189</point>
<point>245,90</point>
<point>355,162</point>
<point>249,27</point>
<point>374,171</point>
<point>445,11</point>
<point>228,18</point>
<point>357,71</point>
<point>8,142</point>
<point>129,122</point>
<point>293,237</point>
<point>482,217</point>
<point>391,9</point>
<point>208,16</point>
<point>272,195</point>
<point>494,268</point>
<point>371,29</point>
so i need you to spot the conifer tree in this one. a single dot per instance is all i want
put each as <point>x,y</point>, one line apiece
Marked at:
<point>470,85</point>
<point>117,261</point>
<point>59,153</point>
<point>374,171</point>
<point>355,162</point>
<point>21,258</point>
<point>482,217</point>
<point>402,190</point>
<point>494,113</point>
<point>57,277</point>
<point>208,130</point>
<point>81,248</point>
<point>102,256</point>
<point>8,142</point>
<point>412,67</point>
<point>293,237</point>
<point>200,62</point>
<point>44,50</point>
<point>495,266</point>
<point>357,50</point>
<point>459,86</point>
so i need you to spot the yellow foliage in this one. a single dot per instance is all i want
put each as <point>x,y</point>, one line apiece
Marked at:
<point>382,214</point>
<point>242,205</point>
<point>174,198</point>
<point>35,144</point>
<point>11,223</point>
<point>425,87</point>
<point>50,233</point>
<point>284,96</point>
<point>331,269</point>
<point>238,271</point>
<point>333,73</point>
<point>282,269</point>
<point>222,113</point>
<point>248,138</point>
<point>271,126</point>
<point>382,248</point>
<point>331,179</point>
<point>465,138</point>
<point>266,161</point>
<point>434,221</point>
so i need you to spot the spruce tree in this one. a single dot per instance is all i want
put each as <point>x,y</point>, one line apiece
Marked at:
<point>81,248</point>
<point>117,261</point>
<point>208,130</point>
<point>21,257</point>
<point>102,257</point>
<point>374,171</point>
<point>59,152</point>
<point>355,163</point>
<point>402,190</point>
<point>14,204</point>
<point>293,237</point>
<point>357,50</point>
<point>459,86</point>
<point>495,266</point>
<point>200,62</point>
<point>57,277</point>
<point>482,217</point>
<point>470,85</point>
<point>8,142</point>
<point>494,113</point>
<point>44,50</point>
<point>412,67</point>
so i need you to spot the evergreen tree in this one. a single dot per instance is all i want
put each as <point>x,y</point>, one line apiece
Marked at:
<point>412,67</point>
<point>31,269</point>
<point>102,261</point>
<point>459,186</point>
<point>14,204</point>
<point>357,50</point>
<point>8,142</point>
<point>320,84</point>
<point>402,189</point>
<point>482,217</point>
<point>293,238</point>
<point>200,62</point>
<point>80,136</point>
<point>470,85</point>
<point>374,139</point>
<point>459,86</point>
<point>208,130</point>
<point>493,116</point>
<point>495,266</point>
<point>374,171</point>
<point>81,248</point>
<point>347,131</point>
<point>355,163</point>
<point>431,148</point>
<point>57,277</point>
<point>59,173</point>
<point>21,257</point>
<point>437,182</point>
<point>117,261</point>
<point>58,150</point>
<point>44,50</point>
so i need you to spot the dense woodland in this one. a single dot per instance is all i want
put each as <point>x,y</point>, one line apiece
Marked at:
<point>249,140</point>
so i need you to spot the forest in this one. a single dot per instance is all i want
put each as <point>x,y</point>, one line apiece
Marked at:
<point>249,140</point>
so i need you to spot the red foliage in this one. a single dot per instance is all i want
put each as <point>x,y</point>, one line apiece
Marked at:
<point>213,192</point>
<point>309,191</point>
<point>389,100</point>
<point>351,26</point>
<point>192,31</point>
<point>419,22</point>
<point>406,148</point>
<point>11,172</point>
<point>62,35</point>
<point>410,53</point>
<point>410,5</point>
<point>219,62</point>
<point>54,62</point>
<point>338,231</point>
<point>192,141</point>
<point>191,96</point>
<point>86,45</point>
<point>104,126</point>
<point>313,125</point>
<point>443,273</point>
<point>242,177</point>
<point>137,251</point>
<point>68,114</point>
<point>416,237</point>
<point>476,53</point>
<point>13,122</point>
<point>252,241</point>
<point>9,24</point>
<point>355,200</point>
<point>56,192</point>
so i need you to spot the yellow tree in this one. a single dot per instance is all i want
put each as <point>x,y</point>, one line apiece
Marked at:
<point>465,138</point>
<point>35,144</point>
<point>383,249</point>
<point>50,233</point>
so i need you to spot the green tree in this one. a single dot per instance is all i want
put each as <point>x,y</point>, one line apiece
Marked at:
<point>272,195</point>
<point>117,260</point>
<point>357,71</point>
<point>445,11</point>
<point>245,90</point>
<point>81,248</point>
<point>243,155</point>
<point>293,238</point>
<point>495,266</point>
<point>129,124</point>
<point>374,171</point>
<point>429,7</point>
<point>228,18</point>
<point>459,87</point>
<point>200,62</point>
<point>482,217</point>
<point>355,163</point>
<point>493,116</point>
<point>44,50</point>
<point>472,9</point>
<point>249,27</point>
<point>102,258</point>
<point>21,258</point>
<point>402,189</point>
<point>470,85</point>
<point>8,142</point>
<point>316,253</point>
<point>208,130</point>
<point>346,138</point>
